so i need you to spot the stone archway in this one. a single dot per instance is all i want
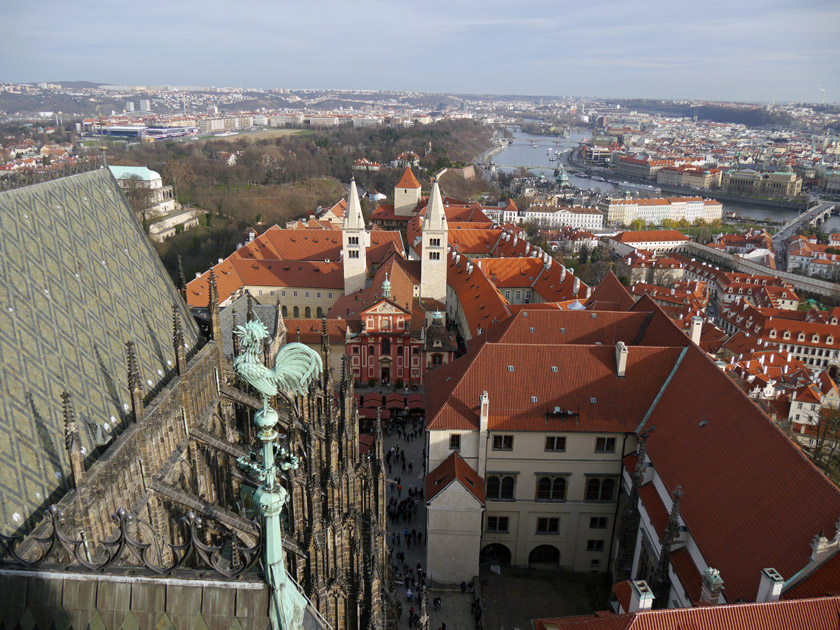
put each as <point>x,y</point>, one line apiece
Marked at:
<point>495,553</point>
<point>544,557</point>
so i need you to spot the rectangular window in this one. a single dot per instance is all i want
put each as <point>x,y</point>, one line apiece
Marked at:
<point>547,525</point>
<point>283,293</point>
<point>306,294</point>
<point>519,295</point>
<point>318,294</point>
<point>598,522</point>
<point>455,442</point>
<point>555,443</point>
<point>294,293</point>
<point>502,442</point>
<point>259,292</point>
<point>353,240</point>
<point>605,445</point>
<point>594,545</point>
<point>434,242</point>
<point>353,253</point>
<point>497,524</point>
<point>434,255</point>
<point>329,295</point>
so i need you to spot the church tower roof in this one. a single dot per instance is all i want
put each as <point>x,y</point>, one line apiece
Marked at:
<point>408,180</point>
<point>353,219</point>
<point>435,214</point>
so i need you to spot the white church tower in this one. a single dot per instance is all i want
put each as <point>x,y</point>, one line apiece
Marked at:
<point>435,239</point>
<point>406,194</point>
<point>354,243</point>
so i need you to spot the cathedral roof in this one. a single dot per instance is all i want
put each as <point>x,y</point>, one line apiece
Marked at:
<point>79,279</point>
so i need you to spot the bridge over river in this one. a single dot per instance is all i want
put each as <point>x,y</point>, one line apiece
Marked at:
<point>813,216</point>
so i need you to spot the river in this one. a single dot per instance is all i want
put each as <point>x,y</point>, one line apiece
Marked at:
<point>522,153</point>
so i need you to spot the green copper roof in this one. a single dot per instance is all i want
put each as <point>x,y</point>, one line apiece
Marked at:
<point>140,172</point>
<point>78,278</point>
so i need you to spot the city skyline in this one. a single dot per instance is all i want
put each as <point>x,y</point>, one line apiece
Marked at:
<point>749,51</point>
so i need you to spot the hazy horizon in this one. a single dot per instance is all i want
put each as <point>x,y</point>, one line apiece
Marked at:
<point>748,51</point>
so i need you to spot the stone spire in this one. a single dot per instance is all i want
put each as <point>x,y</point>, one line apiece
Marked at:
<point>661,578</point>
<point>435,213</point>
<point>215,322</point>
<point>249,313</point>
<point>72,442</point>
<point>178,342</point>
<point>630,520</point>
<point>135,385</point>
<point>234,336</point>
<point>182,281</point>
<point>435,237</point>
<point>354,242</point>
<point>353,217</point>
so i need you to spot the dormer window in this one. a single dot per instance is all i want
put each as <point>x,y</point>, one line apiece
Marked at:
<point>773,333</point>
<point>829,340</point>
<point>786,335</point>
<point>815,338</point>
<point>800,337</point>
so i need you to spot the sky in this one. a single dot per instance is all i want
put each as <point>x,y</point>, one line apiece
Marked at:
<point>740,50</point>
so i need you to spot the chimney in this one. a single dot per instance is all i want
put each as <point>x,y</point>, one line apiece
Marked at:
<point>696,329</point>
<point>576,287</point>
<point>641,597</point>
<point>712,587</point>
<point>484,415</point>
<point>821,548</point>
<point>563,274</point>
<point>621,353</point>
<point>770,586</point>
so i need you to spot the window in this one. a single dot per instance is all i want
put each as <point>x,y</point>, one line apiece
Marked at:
<point>296,312</point>
<point>500,487</point>
<point>370,350</point>
<point>306,294</point>
<point>353,240</point>
<point>319,313</point>
<point>594,545</point>
<point>259,292</point>
<point>598,522</point>
<point>353,253</point>
<point>307,312</point>
<point>497,524</point>
<point>294,293</point>
<point>329,295</point>
<point>434,242</point>
<point>455,442</point>
<point>502,442</point>
<point>317,294</point>
<point>386,346</point>
<point>555,443</point>
<point>605,445</point>
<point>285,311</point>
<point>434,255</point>
<point>519,295</point>
<point>355,349</point>
<point>283,293</point>
<point>600,489</point>
<point>551,489</point>
<point>547,525</point>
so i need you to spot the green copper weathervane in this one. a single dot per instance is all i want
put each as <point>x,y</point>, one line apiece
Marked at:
<point>295,367</point>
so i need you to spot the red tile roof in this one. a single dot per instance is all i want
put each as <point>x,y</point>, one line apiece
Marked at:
<point>650,236</point>
<point>408,180</point>
<point>720,447</point>
<point>656,510</point>
<point>311,329</point>
<point>451,469</point>
<point>801,614</point>
<point>610,294</point>
<point>687,572</point>
<point>585,384</point>
<point>823,580</point>
<point>623,591</point>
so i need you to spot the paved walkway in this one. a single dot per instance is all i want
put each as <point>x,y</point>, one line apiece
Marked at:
<point>414,553</point>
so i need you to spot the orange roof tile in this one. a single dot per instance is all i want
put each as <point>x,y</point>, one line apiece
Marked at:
<point>451,469</point>
<point>408,180</point>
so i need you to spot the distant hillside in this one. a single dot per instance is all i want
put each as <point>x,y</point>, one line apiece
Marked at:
<point>78,84</point>
<point>750,115</point>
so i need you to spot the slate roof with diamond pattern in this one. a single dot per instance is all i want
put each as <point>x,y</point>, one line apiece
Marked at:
<point>78,278</point>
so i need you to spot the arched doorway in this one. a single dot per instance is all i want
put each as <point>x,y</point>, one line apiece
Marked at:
<point>495,553</point>
<point>833,372</point>
<point>544,557</point>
